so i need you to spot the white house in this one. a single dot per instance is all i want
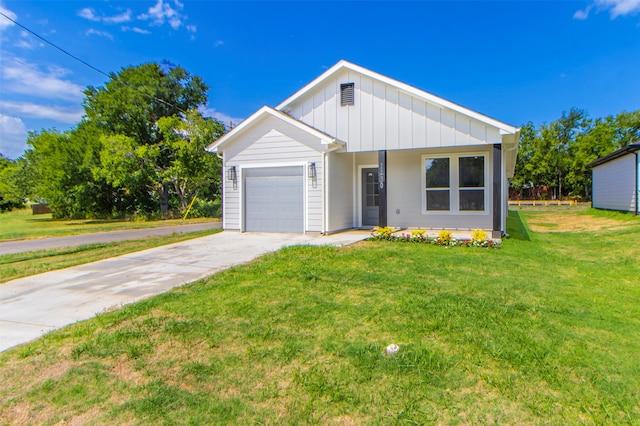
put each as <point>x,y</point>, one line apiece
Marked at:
<point>616,180</point>
<point>354,148</point>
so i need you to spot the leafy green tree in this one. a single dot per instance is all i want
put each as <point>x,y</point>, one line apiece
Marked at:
<point>192,169</point>
<point>12,193</point>
<point>60,167</point>
<point>556,155</point>
<point>128,110</point>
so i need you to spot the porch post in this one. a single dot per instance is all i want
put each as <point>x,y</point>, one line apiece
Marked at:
<point>382,190</point>
<point>497,191</point>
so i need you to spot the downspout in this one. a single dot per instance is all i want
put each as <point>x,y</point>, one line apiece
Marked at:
<point>637,182</point>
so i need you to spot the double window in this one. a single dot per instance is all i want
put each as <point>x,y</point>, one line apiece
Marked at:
<point>455,183</point>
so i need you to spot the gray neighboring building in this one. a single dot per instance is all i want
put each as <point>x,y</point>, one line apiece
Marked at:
<point>616,180</point>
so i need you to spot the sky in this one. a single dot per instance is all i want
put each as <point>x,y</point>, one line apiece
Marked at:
<point>515,61</point>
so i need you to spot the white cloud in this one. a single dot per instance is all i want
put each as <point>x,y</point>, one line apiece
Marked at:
<point>13,135</point>
<point>118,19</point>
<point>582,14</point>
<point>162,12</point>
<point>218,43</point>
<point>220,116</point>
<point>615,7</point>
<point>620,7</point>
<point>192,28</point>
<point>4,22</point>
<point>19,76</point>
<point>59,113</point>
<point>92,31</point>
<point>136,30</point>
<point>26,41</point>
<point>90,14</point>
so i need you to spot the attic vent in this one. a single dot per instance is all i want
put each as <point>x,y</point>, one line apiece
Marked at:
<point>346,94</point>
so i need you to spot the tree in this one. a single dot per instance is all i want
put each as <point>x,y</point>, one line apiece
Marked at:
<point>556,155</point>
<point>12,192</point>
<point>192,168</point>
<point>128,109</point>
<point>60,168</point>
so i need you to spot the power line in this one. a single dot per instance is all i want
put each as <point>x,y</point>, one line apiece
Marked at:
<point>115,77</point>
<point>55,46</point>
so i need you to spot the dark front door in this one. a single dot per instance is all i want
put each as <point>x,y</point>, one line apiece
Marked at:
<point>370,187</point>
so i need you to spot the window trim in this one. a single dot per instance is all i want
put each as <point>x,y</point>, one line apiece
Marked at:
<point>436,188</point>
<point>454,184</point>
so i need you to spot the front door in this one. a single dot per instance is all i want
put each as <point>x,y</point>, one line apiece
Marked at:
<point>370,187</point>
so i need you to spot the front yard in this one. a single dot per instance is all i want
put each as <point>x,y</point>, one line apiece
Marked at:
<point>545,329</point>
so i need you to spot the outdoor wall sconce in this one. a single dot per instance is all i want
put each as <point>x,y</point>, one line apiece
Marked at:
<point>231,173</point>
<point>311,171</point>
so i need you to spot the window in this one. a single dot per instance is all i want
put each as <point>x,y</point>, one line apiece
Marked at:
<point>437,184</point>
<point>471,178</point>
<point>372,189</point>
<point>455,184</point>
<point>347,94</point>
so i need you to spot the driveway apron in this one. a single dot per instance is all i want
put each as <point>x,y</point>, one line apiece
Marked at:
<point>32,306</point>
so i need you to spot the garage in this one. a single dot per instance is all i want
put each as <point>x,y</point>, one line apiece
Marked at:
<point>274,199</point>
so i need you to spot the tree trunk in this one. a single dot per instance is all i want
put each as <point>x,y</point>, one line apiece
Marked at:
<point>182,193</point>
<point>163,194</point>
<point>560,186</point>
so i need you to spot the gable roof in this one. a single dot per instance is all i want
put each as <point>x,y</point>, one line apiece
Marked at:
<point>427,97</point>
<point>632,147</point>
<point>266,111</point>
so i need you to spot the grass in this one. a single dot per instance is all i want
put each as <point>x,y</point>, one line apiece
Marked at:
<point>13,266</point>
<point>21,224</point>
<point>545,330</point>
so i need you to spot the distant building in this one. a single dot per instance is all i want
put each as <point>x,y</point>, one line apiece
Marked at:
<point>616,180</point>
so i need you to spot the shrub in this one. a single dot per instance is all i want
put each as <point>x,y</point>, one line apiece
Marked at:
<point>445,238</point>
<point>205,208</point>
<point>382,233</point>
<point>478,236</point>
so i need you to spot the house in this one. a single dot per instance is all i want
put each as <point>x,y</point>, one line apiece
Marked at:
<point>354,149</point>
<point>615,180</point>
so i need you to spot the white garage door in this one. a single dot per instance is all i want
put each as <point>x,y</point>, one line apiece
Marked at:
<point>274,199</point>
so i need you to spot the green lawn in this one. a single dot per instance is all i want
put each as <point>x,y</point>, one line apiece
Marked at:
<point>545,330</point>
<point>21,224</point>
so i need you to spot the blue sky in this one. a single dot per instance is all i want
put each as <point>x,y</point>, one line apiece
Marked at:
<point>515,61</point>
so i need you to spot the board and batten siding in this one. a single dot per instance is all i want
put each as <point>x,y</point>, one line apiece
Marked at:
<point>385,117</point>
<point>614,184</point>
<point>273,143</point>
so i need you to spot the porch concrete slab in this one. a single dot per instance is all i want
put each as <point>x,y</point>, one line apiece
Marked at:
<point>35,305</point>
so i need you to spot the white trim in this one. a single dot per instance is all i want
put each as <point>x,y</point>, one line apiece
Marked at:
<point>454,185</point>
<point>266,111</point>
<point>427,97</point>
<point>359,191</point>
<point>325,193</point>
<point>240,174</point>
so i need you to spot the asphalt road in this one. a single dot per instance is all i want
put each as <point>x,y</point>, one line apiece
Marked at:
<point>11,247</point>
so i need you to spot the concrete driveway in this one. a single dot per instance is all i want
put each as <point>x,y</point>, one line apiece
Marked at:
<point>35,305</point>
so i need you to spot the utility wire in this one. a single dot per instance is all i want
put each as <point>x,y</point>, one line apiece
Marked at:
<point>114,76</point>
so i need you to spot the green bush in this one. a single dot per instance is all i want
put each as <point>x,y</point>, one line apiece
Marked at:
<point>206,208</point>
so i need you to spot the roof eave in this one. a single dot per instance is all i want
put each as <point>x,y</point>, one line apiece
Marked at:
<point>428,97</point>
<point>324,138</point>
<point>631,148</point>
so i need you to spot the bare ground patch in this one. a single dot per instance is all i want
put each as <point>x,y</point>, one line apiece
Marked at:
<point>574,222</point>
